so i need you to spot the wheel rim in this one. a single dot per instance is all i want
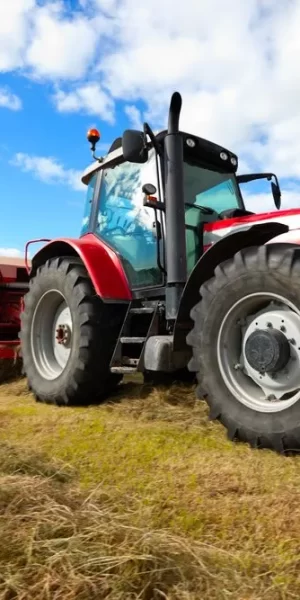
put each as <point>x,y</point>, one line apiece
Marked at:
<point>51,335</point>
<point>259,389</point>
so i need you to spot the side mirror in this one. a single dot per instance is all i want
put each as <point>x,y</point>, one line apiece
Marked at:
<point>276,195</point>
<point>133,143</point>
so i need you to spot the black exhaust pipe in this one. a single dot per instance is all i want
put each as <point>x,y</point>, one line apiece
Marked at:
<point>175,213</point>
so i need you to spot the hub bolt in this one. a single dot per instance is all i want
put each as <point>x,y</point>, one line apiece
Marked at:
<point>238,366</point>
<point>283,328</point>
<point>269,325</point>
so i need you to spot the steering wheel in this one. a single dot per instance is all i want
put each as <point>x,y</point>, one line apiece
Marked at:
<point>204,209</point>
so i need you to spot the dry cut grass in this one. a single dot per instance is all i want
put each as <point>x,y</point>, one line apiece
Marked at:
<point>10,369</point>
<point>141,498</point>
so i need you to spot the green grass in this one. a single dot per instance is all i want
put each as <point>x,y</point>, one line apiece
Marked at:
<point>141,498</point>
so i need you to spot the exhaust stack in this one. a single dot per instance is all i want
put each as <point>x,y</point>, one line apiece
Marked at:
<point>175,214</point>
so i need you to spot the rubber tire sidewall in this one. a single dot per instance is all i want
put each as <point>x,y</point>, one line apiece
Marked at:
<point>222,292</point>
<point>78,299</point>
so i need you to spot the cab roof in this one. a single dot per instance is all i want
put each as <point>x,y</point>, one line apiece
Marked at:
<point>116,152</point>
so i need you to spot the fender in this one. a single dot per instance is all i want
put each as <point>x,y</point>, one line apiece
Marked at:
<point>102,264</point>
<point>255,235</point>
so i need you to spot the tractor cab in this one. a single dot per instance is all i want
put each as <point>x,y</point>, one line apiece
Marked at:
<point>125,202</point>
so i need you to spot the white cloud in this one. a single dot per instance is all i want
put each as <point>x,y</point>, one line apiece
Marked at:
<point>15,17</point>
<point>89,98</point>
<point>11,252</point>
<point>9,100</point>
<point>48,170</point>
<point>46,40</point>
<point>235,63</point>
<point>264,202</point>
<point>196,46</point>
<point>61,46</point>
<point>134,116</point>
<point>108,6</point>
<point>236,66</point>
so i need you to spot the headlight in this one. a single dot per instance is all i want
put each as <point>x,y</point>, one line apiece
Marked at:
<point>223,156</point>
<point>191,143</point>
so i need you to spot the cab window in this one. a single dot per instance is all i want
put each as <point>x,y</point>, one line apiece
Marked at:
<point>125,224</point>
<point>88,205</point>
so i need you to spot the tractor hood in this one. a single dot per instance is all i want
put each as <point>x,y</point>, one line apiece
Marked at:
<point>213,232</point>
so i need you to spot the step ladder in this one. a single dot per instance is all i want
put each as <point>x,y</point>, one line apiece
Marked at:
<point>139,324</point>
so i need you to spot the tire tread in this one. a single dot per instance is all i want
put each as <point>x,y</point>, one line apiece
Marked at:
<point>280,262</point>
<point>89,377</point>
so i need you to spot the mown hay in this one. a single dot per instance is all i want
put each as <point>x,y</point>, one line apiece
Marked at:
<point>141,498</point>
<point>10,369</point>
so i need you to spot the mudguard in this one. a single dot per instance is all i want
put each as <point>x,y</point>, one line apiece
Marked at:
<point>102,263</point>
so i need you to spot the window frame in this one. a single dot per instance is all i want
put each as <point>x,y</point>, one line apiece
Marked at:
<point>92,201</point>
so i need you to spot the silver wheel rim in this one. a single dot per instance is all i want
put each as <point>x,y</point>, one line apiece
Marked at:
<point>259,391</point>
<point>51,335</point>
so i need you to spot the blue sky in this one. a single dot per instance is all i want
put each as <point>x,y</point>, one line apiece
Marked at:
<point>66,65</point>
<point>32,207</point>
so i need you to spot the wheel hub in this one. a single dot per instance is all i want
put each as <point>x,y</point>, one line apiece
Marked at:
<point>267,350</point>
<point>63,334</point>
<point>258,351</point>
<point>51,334</point>
<point>275,358</point>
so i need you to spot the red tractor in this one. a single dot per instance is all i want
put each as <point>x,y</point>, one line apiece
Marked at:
<point>172,276</point>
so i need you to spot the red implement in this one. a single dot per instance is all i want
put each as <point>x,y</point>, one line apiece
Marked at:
<point>13,285</point>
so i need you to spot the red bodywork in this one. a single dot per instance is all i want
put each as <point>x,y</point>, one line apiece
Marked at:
<point>13,285</point>
<point>102,263</point>
<point>104,267</point>
<point>217,230</point>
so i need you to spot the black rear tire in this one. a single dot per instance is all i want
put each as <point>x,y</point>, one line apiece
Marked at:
<point>271,269</point>
<point>95,328</point>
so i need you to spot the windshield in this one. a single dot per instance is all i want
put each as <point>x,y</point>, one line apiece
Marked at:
<point>125,224</point>
<point>217,191</point>
<point>204,188</point>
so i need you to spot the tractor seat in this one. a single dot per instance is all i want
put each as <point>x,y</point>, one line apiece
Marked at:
<point>230,213</point>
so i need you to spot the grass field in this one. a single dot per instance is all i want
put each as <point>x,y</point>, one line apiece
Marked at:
<point>141,498</point>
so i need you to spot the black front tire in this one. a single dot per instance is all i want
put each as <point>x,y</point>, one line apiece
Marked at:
<point>95,329</point>
<point>259,269</point>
